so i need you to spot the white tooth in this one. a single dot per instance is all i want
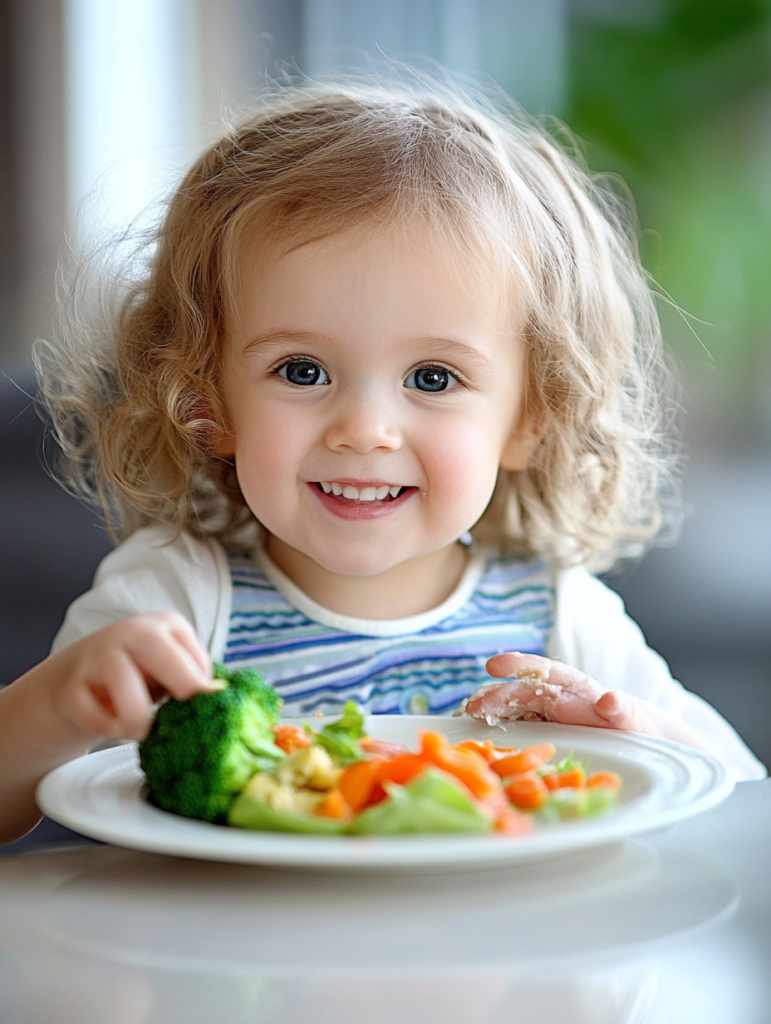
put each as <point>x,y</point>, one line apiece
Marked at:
<point>350,492</point>
<point>394,491</point>
<point>337,489</point>
<point>368,494</point>
<point>326,488</point>
<point>381,492</point>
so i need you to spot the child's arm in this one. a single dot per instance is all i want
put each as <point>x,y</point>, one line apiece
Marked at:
<point>556,692</point>
<point>104,685</point>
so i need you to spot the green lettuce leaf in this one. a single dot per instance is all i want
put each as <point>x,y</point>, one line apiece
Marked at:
<point>341,738</point>
<point>246,812</point>
<point>431,803</point>
<point>576,803</point>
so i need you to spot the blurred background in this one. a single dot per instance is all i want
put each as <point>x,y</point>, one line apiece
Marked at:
<point>102,104</point>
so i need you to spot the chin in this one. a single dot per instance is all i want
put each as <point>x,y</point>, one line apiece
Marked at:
<point>363,567</point>
<point>363,562</point>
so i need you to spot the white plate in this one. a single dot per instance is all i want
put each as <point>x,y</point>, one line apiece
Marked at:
<point>100,795</point>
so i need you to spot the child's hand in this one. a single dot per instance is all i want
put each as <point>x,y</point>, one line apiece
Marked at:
<point>543,690</point>
<point>103,685</point>
<point>108,682</point>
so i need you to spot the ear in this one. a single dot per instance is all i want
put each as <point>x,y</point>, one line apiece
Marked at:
<point>222,443</point>
<point>522,443</point>
<point>218,436</point>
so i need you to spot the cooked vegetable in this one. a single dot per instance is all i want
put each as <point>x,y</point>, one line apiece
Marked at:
<point>576,803</point>
<point>224,757</point>
<point>528,792</point>
<point>467,766</point>
<point>334,806</point>
<point>604,780</point>
<point>433,802</point>
<point>341,738</point>
<point>247,811</point>
<point>573,778</point>
<point>520,761</point>
<point>360,781</point>
<point>311,767</point>
<point>201,752</point>
<point>290,737</point>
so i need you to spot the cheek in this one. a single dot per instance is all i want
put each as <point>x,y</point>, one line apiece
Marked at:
<point>465,462</point>
<point>266,450</point>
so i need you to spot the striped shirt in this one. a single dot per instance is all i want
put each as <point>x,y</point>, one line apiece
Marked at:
<point>426,664</point>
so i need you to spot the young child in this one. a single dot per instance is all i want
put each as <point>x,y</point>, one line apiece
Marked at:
<point>390,387</point>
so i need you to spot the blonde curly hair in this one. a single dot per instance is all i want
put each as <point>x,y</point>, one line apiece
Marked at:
<point>133,390</point>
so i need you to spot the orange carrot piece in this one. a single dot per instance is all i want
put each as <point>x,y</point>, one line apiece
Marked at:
<point>402,769</point>
<point>524,761</point>
<point>465,765</point>
<point>604,780</point>
<point>509,822</point>
<point>527,791</point>
<point>290,737</point>
<point>486,749</point>
<point>573,778</point>
<point>358,781</point>
<point>382,748</point>
<point>551,780</point>
<point>334,805</point>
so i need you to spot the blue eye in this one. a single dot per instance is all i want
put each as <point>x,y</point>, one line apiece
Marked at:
<point>431,379</point>
<point>303,371</point>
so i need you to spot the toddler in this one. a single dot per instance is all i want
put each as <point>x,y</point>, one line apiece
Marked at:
<point>388,390</point>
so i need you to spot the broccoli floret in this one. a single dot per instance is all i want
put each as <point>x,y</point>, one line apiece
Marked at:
<point>200,752</point>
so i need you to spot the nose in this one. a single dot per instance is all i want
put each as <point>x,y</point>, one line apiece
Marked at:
<point>363,422</point>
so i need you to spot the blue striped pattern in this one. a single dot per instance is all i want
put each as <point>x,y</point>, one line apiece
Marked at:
<point>316,667</point>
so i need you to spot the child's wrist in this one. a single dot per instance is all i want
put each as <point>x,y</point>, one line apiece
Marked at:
<point>43,726</point>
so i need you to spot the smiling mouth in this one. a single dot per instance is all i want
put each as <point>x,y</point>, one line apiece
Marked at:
<point>384,492</point>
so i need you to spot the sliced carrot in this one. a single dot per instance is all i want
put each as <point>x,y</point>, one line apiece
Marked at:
<point>527,791</point>
<point>573,778</point>
<point>509,822</point>
<point>524,760</point>
<point>604,780</point>
<point>290,738</point>
<point>486,749</point>
<point>402,769</point>
<point>334,805</point>
<point>466,765</point>
<point>551,780</point>
<point>358,782</point>
<point>382,748</point>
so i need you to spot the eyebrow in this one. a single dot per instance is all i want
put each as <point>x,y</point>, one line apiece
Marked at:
<point>277,336</point>
<point>281,334</point>
<point>459,347</point>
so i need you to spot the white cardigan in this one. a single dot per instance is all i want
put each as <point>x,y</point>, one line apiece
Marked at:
<point>151,571</point>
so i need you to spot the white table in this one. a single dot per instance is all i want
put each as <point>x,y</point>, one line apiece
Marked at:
<point>675,928</point>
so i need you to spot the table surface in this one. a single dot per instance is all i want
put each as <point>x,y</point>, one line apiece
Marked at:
<point>674,927</point>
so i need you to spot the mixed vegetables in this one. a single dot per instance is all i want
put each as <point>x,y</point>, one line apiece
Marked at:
<point>225,757</point>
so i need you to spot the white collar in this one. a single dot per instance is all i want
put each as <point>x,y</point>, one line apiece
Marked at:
<point>372,627</point>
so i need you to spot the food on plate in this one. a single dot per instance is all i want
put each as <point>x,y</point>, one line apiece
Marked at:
<point>225,757</point>
<point>199,753</point>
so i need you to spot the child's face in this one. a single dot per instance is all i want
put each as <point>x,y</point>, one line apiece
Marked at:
<point>369,363</point>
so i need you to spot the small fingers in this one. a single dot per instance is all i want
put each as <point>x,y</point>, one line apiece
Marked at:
<point>118,673</point>
<point>513,665</point>
<point>86,708</point>
<point>526,666</point>
<point>619,710</point>
<point>185,635</point>
<point>128,695</point>
<point>109,698</point>
<point>167,652</point>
